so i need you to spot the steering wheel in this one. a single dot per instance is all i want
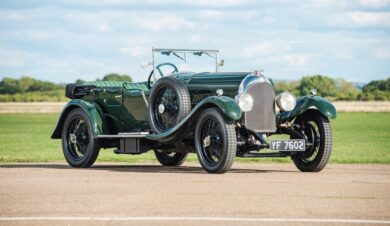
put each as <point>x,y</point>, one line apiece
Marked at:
<point>158,67</point>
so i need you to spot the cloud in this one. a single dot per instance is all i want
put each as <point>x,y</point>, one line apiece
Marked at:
<point>72,39</point>
<point>135,51</point>
<point>369,18</point>
<point>382,53</point>
<point>323,3</point>
<point>375,3</point>
<point>296,60</point>
<point>361,20</point>
<point>167,22</point>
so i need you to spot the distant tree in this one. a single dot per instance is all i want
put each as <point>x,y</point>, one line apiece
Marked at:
<point>117,77</point>
<point>9,86</point>
<point>324,85</point>
<point>26,84</point>
<point>43,86</point>
<point>376,90</point>
<point>291,86</point>
<point>345,90</point>
<point>382,85</point>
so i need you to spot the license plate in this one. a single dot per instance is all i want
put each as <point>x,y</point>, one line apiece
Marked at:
<point>288,145</point>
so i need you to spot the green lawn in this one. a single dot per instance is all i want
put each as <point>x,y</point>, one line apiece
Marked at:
<point>358,138</point>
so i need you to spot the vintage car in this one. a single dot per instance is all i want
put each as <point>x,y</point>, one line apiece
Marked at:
<point>218,115</point>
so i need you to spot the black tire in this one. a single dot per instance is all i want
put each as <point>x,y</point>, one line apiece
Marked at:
<point>215,141</point>
<point>78,144</point>
<point>170,158</point>
<point>173,95</point>
<point>319,132</point>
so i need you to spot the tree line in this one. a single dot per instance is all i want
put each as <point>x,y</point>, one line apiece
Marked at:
<point>336,89</point>
<point>27,89</point>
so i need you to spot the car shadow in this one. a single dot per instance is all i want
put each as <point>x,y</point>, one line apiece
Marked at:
<point>138,168</point>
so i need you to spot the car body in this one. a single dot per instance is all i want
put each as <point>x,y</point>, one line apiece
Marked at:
<point>218,115</point>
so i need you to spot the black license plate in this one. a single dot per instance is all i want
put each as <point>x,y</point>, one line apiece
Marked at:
<point>288,145</point>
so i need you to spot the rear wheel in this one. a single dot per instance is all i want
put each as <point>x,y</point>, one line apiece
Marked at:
<point>78,144</point>
<point>170,158</point>
<point>215,141</point>
<point>318,132</point>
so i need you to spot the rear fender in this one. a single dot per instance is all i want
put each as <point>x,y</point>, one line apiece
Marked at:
<point>93,111</point>
<point>304,103</point>
<point>225,104</point>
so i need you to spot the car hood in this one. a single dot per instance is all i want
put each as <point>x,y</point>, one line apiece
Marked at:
<point>228,81</point>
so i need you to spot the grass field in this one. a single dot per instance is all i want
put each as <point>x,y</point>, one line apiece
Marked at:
<point>358,138</point>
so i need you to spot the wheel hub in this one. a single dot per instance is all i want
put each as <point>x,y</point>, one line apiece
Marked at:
<point>161,108</point>
<point>206,141</point>
<point>73,138</point>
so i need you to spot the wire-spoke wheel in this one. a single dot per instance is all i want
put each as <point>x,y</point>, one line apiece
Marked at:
<point>166,103</point>
<point>215,141</point>
<point>170,158</point>
<point>169,103</point>
<point>79,147</point>
<point>318,133</point>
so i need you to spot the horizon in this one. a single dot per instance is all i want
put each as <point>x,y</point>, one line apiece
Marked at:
<point>356,84</point>
<point>66,40</point>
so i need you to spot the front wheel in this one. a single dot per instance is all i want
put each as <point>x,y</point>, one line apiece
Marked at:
<point>78,144</point>
<point>215,141</point>
<point>318,132</point>
<point>170,158</point>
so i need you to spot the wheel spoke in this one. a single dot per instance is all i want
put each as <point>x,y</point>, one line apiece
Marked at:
<point>312,135</point>
<point>166,119</point>
<point>78,138</point>
<point>211,141</point>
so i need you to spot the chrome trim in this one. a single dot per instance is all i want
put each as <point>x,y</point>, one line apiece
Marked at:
<point>262,117</point>
<point>145,99</point>
<point>250,80</point>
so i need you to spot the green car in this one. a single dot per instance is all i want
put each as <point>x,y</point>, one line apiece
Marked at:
<point>218,115</point>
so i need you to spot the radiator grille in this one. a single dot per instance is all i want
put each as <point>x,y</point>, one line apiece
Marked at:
<point>262,116</point>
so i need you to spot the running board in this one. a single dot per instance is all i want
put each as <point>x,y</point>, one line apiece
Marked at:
<point>124,135</point>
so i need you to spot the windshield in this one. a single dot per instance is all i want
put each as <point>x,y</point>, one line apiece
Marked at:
<point>195,60</point>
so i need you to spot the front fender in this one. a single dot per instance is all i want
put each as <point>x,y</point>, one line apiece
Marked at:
<point>93,111</point>
<point>226,104</point>
<point>306,102</point>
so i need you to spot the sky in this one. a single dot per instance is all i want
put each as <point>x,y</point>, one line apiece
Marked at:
<point>62,41</point>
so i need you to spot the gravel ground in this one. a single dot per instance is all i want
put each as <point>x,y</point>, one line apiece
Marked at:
<point>147,194</point>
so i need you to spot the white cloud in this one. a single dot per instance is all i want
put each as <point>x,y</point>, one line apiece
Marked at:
<point>324,3</point>
<point>135,51</point>
<point>369,18</point>
<point>11,57</point>
<point>105,3</point>
<point>167,22</point>
<point>375,3</point>
<point>262,49</point>
<point>382,53</point>
<point>296,60</point>
<point>361,20</point>
<point>103,28</point>
<point>75,38</point>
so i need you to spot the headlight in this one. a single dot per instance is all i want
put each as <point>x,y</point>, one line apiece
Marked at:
<point>245,102</point>
<point>286,101</point>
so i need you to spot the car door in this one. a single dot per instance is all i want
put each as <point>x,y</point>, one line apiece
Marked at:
<point>134,101</point>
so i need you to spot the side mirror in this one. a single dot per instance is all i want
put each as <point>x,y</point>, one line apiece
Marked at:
<point>145,65</point>
<point>221,63</point>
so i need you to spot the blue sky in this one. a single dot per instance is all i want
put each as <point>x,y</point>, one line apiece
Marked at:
<point>62,41</point>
